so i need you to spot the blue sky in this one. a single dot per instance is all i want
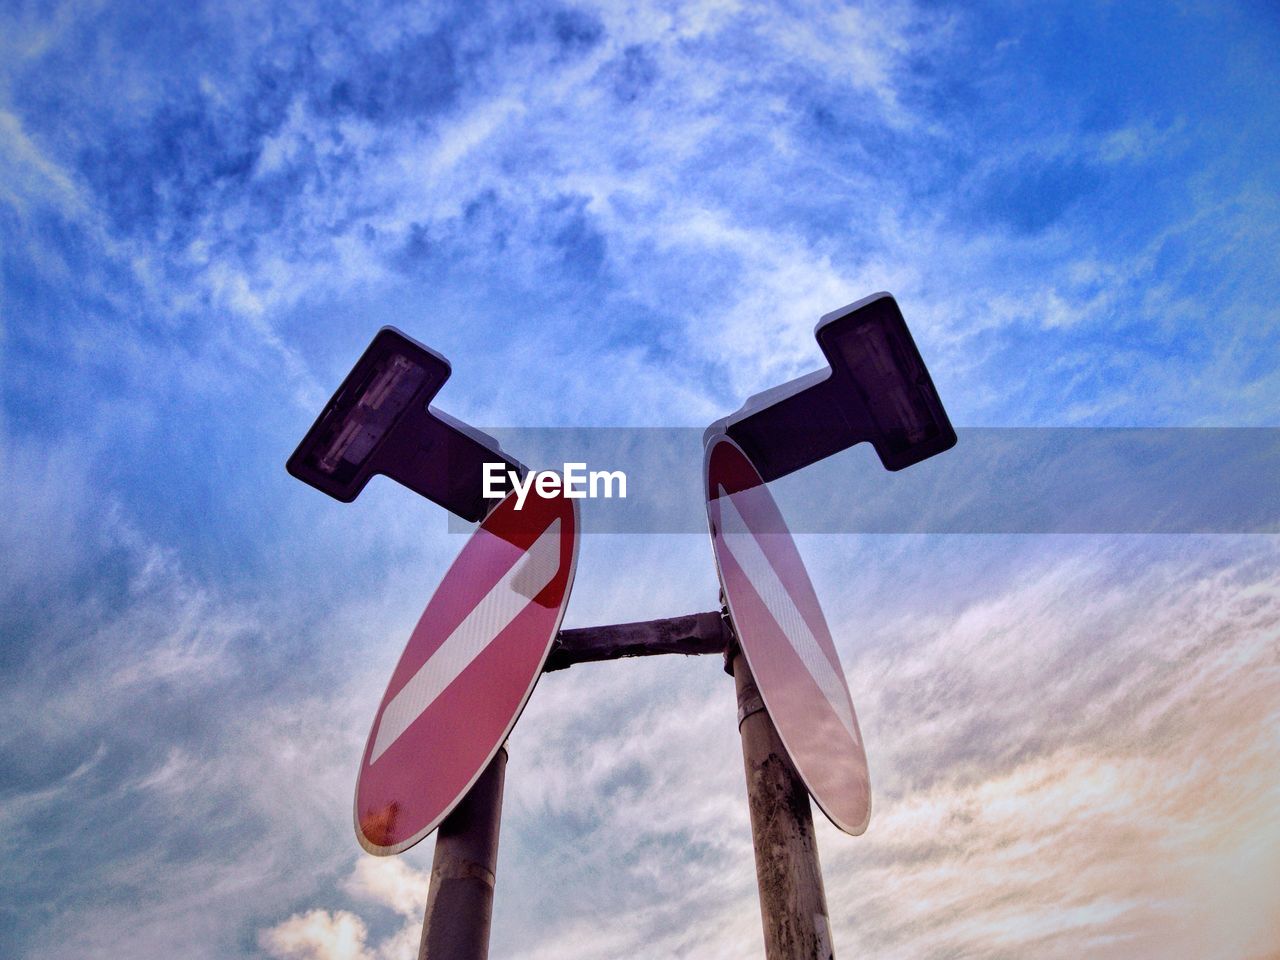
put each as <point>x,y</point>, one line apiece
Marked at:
<point>623,215</point>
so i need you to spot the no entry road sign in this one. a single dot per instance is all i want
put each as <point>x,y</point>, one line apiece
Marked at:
<point>467,671</point>
<point>784,636</point>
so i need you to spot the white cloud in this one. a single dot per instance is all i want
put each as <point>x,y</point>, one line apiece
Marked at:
<point>341,935</point>
<point>317,935</point>
<point>392,882</point>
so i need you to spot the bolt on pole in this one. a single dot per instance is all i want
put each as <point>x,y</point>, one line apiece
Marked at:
<point>463,872</point>
<point>793,902</point>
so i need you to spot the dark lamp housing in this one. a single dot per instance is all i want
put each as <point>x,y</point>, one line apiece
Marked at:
<point>877,389</point>
<point>380,421</point>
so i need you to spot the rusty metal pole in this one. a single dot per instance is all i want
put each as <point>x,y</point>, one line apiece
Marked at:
<point>793,903</point>
<point>463,871</point>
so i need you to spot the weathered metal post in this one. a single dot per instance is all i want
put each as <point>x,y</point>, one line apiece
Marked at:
<point>463,872</point>
<point>793,903</point>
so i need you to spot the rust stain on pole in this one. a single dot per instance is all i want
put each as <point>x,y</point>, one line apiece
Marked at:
<point>793,903</point>
<point>463,872</point>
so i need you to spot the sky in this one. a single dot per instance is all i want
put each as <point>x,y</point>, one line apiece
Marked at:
<point>624,215</point>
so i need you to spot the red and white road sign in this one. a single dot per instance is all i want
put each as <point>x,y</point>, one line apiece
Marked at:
<point>785,637</point>
<point>467,671</point>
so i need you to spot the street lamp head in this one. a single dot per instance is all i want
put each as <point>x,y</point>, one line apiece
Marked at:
<point>877,389</point>
<point>339,453</point>
<point>380,421</point>
<point>878,374</point>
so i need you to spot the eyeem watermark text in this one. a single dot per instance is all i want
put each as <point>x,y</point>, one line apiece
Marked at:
<point>576,481</point>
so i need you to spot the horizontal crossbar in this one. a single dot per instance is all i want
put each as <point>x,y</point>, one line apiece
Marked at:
<point>690,635</point>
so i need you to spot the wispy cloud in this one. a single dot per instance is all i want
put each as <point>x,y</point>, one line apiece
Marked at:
<point>620,214</point>
<point>1079,760</point>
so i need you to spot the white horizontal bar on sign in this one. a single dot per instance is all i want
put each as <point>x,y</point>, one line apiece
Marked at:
<point>745,550</point>
<point>493,614</point>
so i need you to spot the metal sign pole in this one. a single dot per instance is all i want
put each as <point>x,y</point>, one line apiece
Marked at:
<point>463,872</point>
<point>793,903</point>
